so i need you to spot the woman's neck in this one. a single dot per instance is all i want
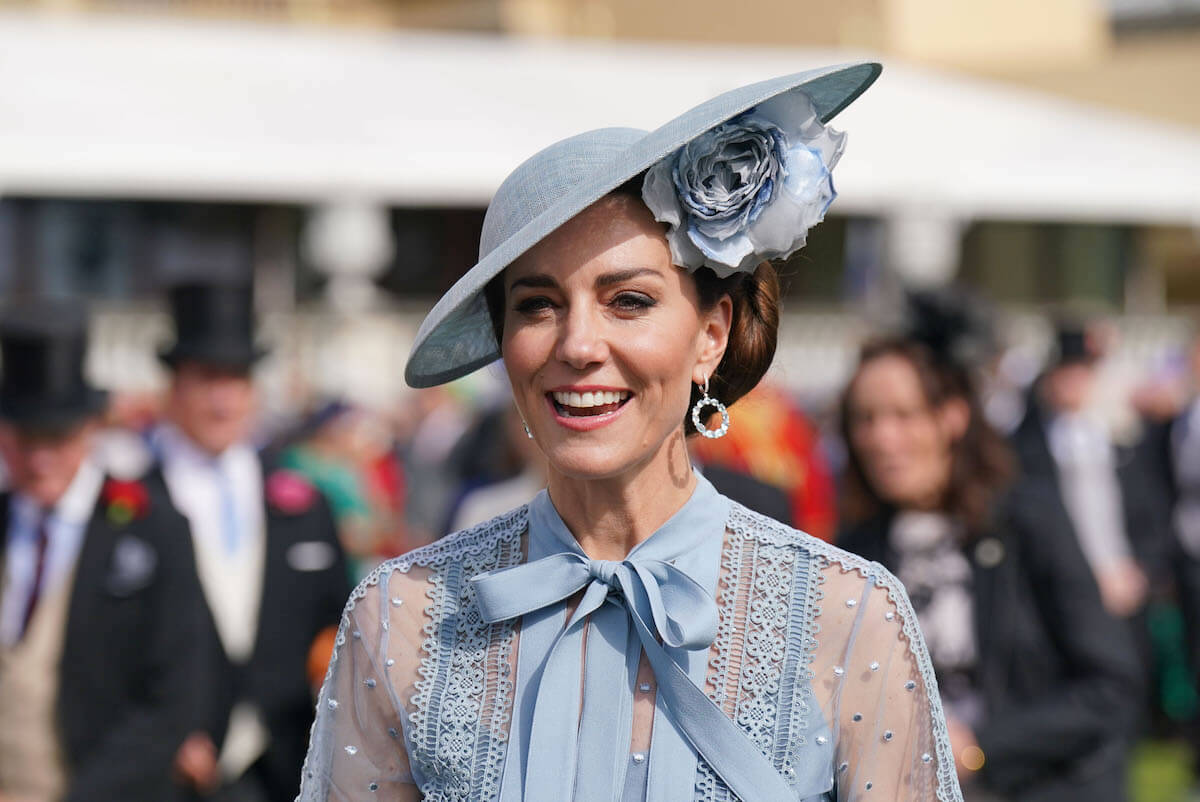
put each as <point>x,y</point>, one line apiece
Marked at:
<point>609,516</point>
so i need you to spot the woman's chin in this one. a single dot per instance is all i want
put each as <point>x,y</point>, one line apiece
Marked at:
<point>627,448</point>
<point>588,470</point>
<point>591,461</point>
<point>911,498</point>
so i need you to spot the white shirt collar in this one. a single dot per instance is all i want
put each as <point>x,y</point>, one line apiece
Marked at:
<point>76,505</point>
<point>172,445</point>
<point>230,577</point>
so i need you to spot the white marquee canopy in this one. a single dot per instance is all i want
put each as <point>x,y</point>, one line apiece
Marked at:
<point>118,107</point>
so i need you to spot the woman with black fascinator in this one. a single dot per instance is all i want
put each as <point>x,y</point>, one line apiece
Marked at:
<point>1039,684</point>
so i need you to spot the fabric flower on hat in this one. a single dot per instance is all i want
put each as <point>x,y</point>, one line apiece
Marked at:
<point>748,189</point>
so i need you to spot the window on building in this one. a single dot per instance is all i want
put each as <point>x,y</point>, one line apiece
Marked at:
<point>1033,263</point>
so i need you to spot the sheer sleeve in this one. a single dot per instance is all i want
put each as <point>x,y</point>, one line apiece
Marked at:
<point>358,744</point>
<point>874,682</point>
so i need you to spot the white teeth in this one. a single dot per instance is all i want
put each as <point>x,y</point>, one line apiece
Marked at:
<point>589,399</point>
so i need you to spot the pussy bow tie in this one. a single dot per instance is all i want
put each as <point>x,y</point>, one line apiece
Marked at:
<point>667,608</point>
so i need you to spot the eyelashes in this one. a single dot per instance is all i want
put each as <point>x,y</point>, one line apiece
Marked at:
<point>532,306</point>
<point>625,302</point>
<point>634,301</point>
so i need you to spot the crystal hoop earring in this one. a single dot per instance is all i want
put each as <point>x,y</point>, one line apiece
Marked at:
<point>528,433</point>
<point>709,401</point>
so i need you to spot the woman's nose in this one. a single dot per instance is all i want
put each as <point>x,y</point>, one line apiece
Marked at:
<point>889,435</point>
<point>581,340</point>
<point>876,434</point>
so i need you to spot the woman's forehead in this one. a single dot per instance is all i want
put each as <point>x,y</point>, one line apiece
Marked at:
<point>887,378</point>
<point>615,233</point>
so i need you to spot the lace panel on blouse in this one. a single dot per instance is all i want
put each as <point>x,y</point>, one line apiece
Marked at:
<point>817,658</point>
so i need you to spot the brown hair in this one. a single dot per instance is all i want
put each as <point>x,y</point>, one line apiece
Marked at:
<point>981,464</point>
<point>753,331</point>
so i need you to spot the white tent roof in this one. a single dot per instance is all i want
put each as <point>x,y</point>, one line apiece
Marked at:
<point>168,109</point>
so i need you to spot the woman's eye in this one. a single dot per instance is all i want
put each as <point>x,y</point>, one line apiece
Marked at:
<point>633,302</point>
<point>533,305</point>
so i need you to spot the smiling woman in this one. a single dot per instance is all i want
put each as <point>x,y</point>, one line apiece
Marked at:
<point>631,634</point>
<point>1039,684</point>
<point>598,309</point>
<point>753,297</point>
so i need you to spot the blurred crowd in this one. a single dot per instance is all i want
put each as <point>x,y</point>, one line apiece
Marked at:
<point>175,571</point>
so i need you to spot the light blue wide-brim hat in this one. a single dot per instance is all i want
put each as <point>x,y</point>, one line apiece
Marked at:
<point>562,180</point>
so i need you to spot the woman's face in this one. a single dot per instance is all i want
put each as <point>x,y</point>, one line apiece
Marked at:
<point>902,443</point>
<point>603,338</point>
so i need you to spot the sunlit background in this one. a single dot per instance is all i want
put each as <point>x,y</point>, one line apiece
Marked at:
<point>1044,153</point>
<point>343,151</point>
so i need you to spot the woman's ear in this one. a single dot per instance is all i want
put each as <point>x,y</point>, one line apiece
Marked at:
<point>714,338</point>
<point>954,416</point>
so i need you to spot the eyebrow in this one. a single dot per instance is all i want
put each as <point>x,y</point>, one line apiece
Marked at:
<point>543,281</point>
<point>538,280</point>
<point>608,279</point>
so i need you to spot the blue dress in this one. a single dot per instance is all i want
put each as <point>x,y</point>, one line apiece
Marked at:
<point>727,657</point>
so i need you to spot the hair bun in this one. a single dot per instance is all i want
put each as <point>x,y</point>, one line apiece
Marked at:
<point>753,331</point>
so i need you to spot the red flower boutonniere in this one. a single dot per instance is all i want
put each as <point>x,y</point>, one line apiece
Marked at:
<point>290,492</point>
<point>125,501</point>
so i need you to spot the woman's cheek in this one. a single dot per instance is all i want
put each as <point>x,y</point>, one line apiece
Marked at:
<point>522,352</point>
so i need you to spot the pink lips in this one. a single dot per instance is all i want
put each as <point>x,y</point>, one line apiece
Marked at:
<point>589,422</point>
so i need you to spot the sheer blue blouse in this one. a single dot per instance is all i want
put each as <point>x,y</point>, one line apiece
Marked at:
<point>727,657</point>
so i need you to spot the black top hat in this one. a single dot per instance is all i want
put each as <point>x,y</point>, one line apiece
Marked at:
<point>43,345</point>
<point>214,324</point>
<point>956,326</point>
<point>1073,346</point>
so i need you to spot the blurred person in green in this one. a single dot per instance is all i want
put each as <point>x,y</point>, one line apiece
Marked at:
<point>1171,410</point>
<point>349,454</point>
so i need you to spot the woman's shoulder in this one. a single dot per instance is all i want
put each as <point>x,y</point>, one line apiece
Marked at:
<point>480,539</point>
<point>848,593</point>
<point>749,524</point>
<point>484,544</point>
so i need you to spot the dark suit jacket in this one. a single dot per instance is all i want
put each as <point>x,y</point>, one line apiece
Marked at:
<point>130,655</point>
<point>1141,493</point>
<point>1060,682</point>
<point>295,606</point>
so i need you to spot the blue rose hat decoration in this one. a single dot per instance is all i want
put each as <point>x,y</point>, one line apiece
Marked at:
<point>747,190</point>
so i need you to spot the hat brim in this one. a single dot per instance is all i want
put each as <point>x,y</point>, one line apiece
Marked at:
<point>235,356</point>
<point>456,336</point>
<point>53,414</point>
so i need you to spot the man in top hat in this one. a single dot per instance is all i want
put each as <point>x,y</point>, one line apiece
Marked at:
<point>99,600</point>
<point>1107,490</point>
<point>272,570</point>
<point>1100,485</point>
